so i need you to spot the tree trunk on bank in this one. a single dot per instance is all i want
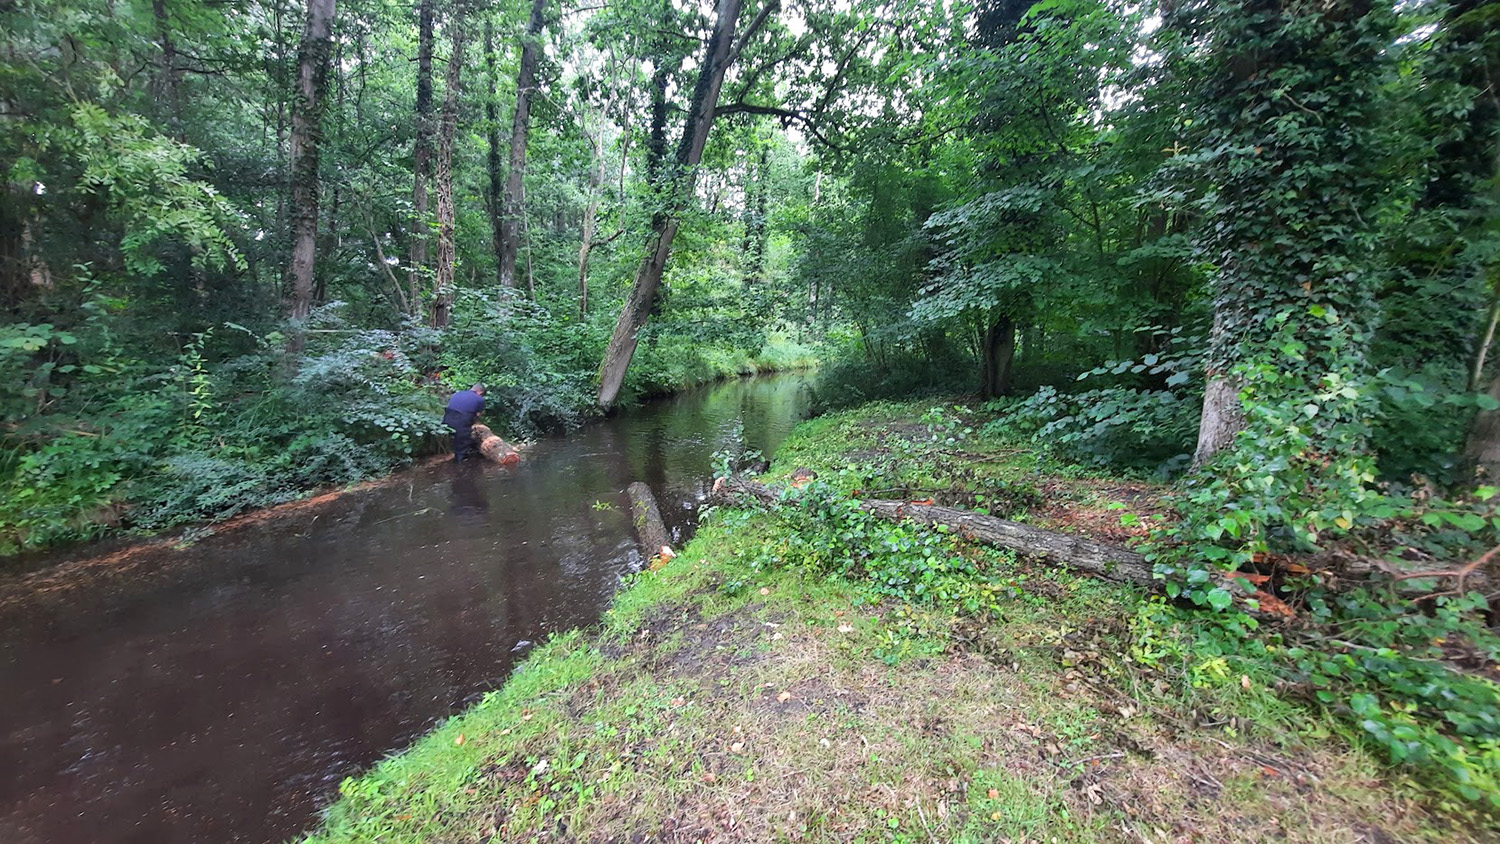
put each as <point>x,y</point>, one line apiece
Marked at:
<point>307,133</point>
<point>1483,448</point>
<point>658,246</point>
<point>492,134</point>
<point>1222,417</point>
<point>520,129</point>
<point>999,353</point>
<point>1078,553</point>
<point>421,157</point>
<point>447,257</point>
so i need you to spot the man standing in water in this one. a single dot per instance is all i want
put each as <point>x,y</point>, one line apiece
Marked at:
<point>463,411</point>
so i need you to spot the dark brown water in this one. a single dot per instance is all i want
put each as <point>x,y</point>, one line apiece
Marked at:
<point>221,692</point>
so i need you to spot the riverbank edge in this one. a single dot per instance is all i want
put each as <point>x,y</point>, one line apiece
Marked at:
<point>14,567</point>
<point>525,762</point>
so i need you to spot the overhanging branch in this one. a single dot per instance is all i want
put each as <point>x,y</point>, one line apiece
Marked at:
<point>786,115</point>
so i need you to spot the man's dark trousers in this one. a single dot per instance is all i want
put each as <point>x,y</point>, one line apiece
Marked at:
<point>463,443</point>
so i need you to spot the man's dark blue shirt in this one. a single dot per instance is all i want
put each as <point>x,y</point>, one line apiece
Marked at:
<point>463,409</point>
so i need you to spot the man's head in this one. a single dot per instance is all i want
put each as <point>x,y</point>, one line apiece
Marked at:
<point>478,389</point>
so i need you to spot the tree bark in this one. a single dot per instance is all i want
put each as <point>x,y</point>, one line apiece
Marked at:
<point>307,133</point>
<point>447,257</point>
<point>1221,417</point>
<point>520,129</point>
<point>15,263</point>
<point>421,166</point>
<point>659,244</point>
<point>494,449</point>
<point>999,354</point>
<point>492,134</point>
<point>1483,448</point>
<point>1482,348</point>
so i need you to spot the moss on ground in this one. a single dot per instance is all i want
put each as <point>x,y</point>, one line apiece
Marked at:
<point>721,701</point>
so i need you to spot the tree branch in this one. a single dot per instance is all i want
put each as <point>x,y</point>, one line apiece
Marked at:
<point>755,25</point>
<point>786,115</point>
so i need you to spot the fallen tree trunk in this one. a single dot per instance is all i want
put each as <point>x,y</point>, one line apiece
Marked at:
<point>1075,553</point>
<point>650,530</point>
<point>1110,562</point>
<point>493,448</point>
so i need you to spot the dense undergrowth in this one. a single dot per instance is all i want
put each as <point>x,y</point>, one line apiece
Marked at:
<point>101,437</point>
<point>813,672</point>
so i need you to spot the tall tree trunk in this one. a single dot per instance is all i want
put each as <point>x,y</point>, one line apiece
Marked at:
<point>656,139</point>
<point>999,352</point>
<point>755,221</point>
<point>1221,417</point>
<point>307,133</point>
<point>520,129</point>
<point>15,275</point>
<point>447,254</point>
<point>492,136</point>
<point>659,244</point>
<point>1322,257</point>
<point>1483,448</point>
<point>421,156</point>
<point>590,223</point>
<point>171,75</point>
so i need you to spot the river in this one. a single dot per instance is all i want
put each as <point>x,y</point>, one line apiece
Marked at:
<point>220,692</point>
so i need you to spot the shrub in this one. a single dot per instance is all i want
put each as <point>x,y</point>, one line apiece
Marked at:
<point>1111,427</point>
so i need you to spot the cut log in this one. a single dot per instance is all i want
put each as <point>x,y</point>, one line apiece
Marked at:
<point>493,448</point>
<point>650,530</point>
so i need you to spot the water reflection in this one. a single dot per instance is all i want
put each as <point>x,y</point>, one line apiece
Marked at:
<point>469,500</point>
<point>220,693</point>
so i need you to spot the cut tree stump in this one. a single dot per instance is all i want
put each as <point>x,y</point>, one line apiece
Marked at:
<point>650,530</point>
<point>493,448</point>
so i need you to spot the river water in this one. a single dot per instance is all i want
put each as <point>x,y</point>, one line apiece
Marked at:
<point>220,692</point>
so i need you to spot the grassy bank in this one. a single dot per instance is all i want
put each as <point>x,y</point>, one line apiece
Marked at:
<point>759,687</point>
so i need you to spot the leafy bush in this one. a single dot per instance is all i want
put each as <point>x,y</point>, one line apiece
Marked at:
<point>1114,427</point>
<point>832,535</point>
<point>855,380</point>
<point>539,370</point>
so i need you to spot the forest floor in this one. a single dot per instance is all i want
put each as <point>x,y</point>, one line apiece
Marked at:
<point>722,701</point>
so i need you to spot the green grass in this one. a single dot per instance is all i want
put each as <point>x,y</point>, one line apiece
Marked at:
<point>722,699</point>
